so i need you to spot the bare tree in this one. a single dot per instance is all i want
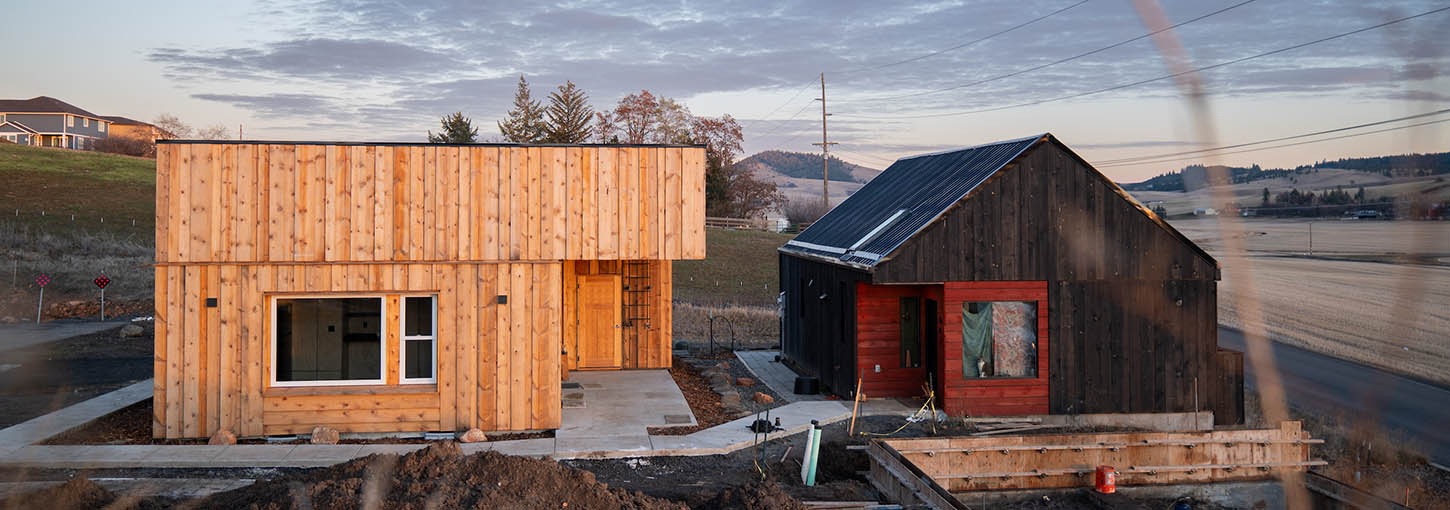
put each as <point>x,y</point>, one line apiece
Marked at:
<point>173,126</point>
<point>214,132</point>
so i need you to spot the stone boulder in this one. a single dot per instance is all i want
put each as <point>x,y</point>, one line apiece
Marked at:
<point>730,399</point>
<point>325,435</point>
<point>222,437</point>
<point>472,436</point>
<point>131,330</point>
<point>762,398</point>
<point>745,381</point>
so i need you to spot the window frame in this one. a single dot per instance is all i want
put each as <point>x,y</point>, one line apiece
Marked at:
<point>382,343</point>
<point>70,121</point>
<point>85,122</point>
<point>403,339</point>
<point>1036,342</point>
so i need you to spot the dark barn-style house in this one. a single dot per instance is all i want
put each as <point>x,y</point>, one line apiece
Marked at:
<point>1013,278</point>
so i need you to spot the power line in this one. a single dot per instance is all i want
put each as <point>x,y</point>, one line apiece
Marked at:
<point>962,45</point>
<point>1111,165</point>
<point>1057,62</point>
<point>1272,140</point>
<point>1159,78</point>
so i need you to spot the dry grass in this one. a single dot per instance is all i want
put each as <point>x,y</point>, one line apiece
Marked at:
<point>754,326</point>
<point>1364,455</point>
<point>72,259</point>
<point>1343,307</point>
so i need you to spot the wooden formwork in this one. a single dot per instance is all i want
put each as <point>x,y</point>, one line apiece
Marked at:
<point>930,469</point>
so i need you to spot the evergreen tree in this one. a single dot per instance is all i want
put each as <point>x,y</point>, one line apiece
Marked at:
<point>525,123</point>
<point>455,129</point>
<point>1266,197</point>
<point>569,115</point>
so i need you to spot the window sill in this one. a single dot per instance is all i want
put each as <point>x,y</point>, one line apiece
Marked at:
<point>376,389</point>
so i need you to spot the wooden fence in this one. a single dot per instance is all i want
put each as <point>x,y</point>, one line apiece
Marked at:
<point>759,224</point>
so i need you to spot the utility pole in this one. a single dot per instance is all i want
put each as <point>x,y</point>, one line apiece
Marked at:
<point>825,151</point>
<point>239,131</point>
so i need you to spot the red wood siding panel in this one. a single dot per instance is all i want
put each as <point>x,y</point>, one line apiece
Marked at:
<point>991,397</point>
<point>878,341</point>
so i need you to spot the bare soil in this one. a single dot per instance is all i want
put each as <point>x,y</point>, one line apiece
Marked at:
<point>57,374</point>
<point>703,401</point>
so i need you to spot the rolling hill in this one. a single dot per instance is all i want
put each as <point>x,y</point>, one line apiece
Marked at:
<point>801,165</point>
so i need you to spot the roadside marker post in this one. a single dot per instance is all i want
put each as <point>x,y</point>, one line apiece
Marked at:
<point>102,282</point>
<point>42,281</point>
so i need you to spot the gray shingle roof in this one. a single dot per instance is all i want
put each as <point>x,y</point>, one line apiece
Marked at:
<point>42,104</point>
<point>907,196</point>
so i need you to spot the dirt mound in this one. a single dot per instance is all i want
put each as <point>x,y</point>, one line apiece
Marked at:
<point>439,476</point>
<point>764,495</point>
<point>78,493</point>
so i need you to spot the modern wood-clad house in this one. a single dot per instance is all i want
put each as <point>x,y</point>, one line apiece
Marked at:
<point>1014,278</point>
<point>409,287</point>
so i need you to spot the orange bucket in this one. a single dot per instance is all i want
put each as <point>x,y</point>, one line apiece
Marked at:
<point>1106,480</point>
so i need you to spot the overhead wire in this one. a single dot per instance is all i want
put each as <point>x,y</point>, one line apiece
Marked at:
<point>1155,79</point>
<point>1341,137</point>
<point>1280,139</point>
<point>1055,62</point>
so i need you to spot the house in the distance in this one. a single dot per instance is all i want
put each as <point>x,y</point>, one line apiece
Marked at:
<point>49,122</point>
<point>1012,278</point>
<point>131,128</point>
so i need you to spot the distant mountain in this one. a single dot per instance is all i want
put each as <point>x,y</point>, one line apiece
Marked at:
<point>1194,177</point>
<point>807,166</point>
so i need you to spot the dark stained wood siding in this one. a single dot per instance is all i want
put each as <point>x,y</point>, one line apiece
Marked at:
<point>819,335</point>
<point>1133,304</point>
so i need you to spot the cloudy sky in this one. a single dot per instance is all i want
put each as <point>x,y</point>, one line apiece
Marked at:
<point>901,79</point>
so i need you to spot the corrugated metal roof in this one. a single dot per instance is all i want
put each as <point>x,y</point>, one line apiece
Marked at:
<point>907,196</point>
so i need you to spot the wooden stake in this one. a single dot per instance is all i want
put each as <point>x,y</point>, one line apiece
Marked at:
<point>855,405</point>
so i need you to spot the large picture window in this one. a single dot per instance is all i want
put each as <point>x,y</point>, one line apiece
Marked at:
<point>328,341</point>
<point>999,339</point>
<point>420,335</point>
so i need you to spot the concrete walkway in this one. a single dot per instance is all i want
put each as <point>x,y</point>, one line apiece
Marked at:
<point>26,334</point>
<point>611,411</point>
<point>774,374</point>
<point>44,427</point>
<point>720,439</point>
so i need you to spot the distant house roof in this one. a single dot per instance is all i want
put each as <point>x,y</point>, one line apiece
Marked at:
<point>42,104</point>
<point>16,127</point>
<point>905,198</point>
<point>123,121</point>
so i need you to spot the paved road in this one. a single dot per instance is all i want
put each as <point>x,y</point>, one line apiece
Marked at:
<point>1324,383</point>
<point>26,334</point>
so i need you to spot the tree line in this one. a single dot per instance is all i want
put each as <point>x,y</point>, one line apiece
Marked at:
<point>640,118</point>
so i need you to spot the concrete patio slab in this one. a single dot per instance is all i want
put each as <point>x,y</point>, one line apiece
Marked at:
<point>472,448</point>
<point>328,454</point>
<point>602,447</point>
<point>774,374</point>
<point>44,427</point>
<point>540,447</point>
<point>395,449</point>
<point>623,403</point>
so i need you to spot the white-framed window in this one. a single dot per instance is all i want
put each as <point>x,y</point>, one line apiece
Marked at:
<point>102,125</point>
<point>85,122</point>
<point>70,120</point>
<point>419,349</point>
<point>328,340</point>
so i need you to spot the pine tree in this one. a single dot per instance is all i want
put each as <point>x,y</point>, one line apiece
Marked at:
<point>455,129</point>
<point>525,123</point>
<point>570,116</point>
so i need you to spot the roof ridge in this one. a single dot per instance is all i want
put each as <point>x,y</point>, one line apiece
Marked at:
<point>978,146</point>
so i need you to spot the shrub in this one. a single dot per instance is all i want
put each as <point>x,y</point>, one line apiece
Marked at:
<point>126,145</point>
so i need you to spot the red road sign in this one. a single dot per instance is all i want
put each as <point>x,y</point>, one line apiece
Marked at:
<point>42,280</point>
<point>102,281</point>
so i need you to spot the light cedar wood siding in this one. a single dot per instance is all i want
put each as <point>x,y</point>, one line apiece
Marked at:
<point>245,223</point>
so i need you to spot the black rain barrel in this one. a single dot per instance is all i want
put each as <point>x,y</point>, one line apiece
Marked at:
<point>806,385</point>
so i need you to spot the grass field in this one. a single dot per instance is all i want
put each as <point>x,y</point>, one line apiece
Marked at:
<point>46,187</point>
<point>1344,300</point>
<point>739,269</point>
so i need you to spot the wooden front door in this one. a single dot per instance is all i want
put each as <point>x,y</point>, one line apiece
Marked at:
<point>600,320</point>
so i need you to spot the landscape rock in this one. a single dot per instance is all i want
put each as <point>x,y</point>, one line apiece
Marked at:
<point>723,365</point>
<point>719,379</point>
<point>681,345</point>
<point>730,399</point>
<point>9,320</point>
<point>131,330</point>
<point>745,381</point>
<point>325,435</point>
<point>222,437</point>
<point>472,436</point>
<point>763,398</point>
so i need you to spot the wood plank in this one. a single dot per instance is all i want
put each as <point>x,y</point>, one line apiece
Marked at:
<point>400,202</point>
<point>245,214</point>
<point>547,384</point>
<point>570,306</point>
<point>467,350</point>
<point>382,203</point>
<point>165,169</point>
<point>517,177</point>
<point>476,199</point>
<point>671,203</point>
<point>360,236</point>
<point>464,224</point>
<point>199,194</point>
<point>448,222</point>
<point>533,209</point>
<point>229,367</point>
<point>251,352</point>
<point>353,416</point>
<point>337,402</point>
<point>394,359</point>
<point>411,426</point>
<point>503,347</point>
<point>281,159</point>
<point>487,346</point>
<point>574,241</point>
<point>445,278</point>
<point>212,208</point>
<point>520,346</point>
<point>192,366</point>
<point>176,335</point>
<point>311,210</point>
<point>159,349</point>
<point>558,192</point>
<point>431,214</point>
<point>179,232</point>
<point>608,203</point>
<point>629,196</point>
<point>417,200</point>
<point>222,246</point>
<point>489,176</point>
<point>692,191</point>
